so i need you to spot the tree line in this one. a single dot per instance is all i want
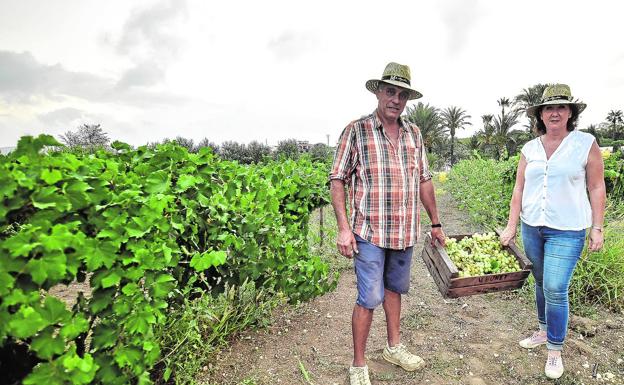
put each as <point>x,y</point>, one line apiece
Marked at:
<point>498,136</point>
<point>92,137</point>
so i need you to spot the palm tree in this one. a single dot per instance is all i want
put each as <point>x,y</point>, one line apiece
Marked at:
<point>503,137</point>
<point>614,117</point>
<point>530,97</point>
<point>593,129</point>
<point>454,118</point>
<point>428,120</point>
<point>504,102</point>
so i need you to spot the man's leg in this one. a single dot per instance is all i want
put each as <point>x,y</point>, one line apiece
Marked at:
<point>360,324</point>
<point>392,308</point>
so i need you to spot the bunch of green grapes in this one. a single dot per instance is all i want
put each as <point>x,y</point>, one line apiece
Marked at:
<point>480,254</point>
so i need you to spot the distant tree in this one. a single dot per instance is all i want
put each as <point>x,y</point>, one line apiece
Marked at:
<point>502,130</point>
<point>207,143</point>
<point>187,143</point>
<point>485,136</point>
<point>504,102</point>
<point>530,97</point>
<point>429,121</point>
<point>287,149</point>
<point>87,136</point>
<point>320,152</point>
<point>616,119</point>
<point>454,118</point>
<point>234,151</point>
<point>257,152</point>
<point>593,129</point>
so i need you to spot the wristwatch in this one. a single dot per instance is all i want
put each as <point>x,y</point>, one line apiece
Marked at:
<point>434,225</point>
<point>599,228</point>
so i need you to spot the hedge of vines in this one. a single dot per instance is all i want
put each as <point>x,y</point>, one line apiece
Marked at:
<point>144,228</point>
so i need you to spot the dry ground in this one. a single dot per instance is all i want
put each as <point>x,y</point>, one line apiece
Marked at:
<point>470,340</point>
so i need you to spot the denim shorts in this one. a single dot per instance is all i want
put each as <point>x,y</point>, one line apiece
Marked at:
<point>377,269</point>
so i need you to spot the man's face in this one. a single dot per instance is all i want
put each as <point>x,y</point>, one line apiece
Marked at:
<point>391,101</point>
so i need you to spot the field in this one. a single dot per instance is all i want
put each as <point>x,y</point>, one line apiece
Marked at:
<point>468,340</point>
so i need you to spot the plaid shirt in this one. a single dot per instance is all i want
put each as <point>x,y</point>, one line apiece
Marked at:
<point>383,182</point>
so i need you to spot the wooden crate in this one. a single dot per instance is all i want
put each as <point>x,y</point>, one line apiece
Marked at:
<point>446,275</point>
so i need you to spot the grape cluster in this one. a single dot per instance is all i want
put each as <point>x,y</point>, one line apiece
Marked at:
<point>480,254</point>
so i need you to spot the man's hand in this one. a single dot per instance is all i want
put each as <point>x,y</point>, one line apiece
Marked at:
<point>438,234</point>
<point>346,243</point>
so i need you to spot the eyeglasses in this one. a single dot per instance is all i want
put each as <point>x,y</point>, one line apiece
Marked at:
<point>391,92</point>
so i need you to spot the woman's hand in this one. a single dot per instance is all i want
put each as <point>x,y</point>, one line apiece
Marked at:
<point>508,235</point>
<point>596,240</point>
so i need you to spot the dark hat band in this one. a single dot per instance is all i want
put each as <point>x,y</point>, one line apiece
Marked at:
<point>556,97</point>
<point>396,78</point>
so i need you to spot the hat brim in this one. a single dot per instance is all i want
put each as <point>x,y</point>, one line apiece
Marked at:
<point>373,84</point>
<point>531,110</point>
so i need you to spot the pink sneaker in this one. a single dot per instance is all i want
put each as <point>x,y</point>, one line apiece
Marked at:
<point>537,339</point>
<point>554,367</point>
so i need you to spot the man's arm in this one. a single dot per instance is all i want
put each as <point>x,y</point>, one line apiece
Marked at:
<point>345,241</point>
<point>427,197</point>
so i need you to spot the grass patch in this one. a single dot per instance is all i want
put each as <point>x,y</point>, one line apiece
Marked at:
<point>202,326</point>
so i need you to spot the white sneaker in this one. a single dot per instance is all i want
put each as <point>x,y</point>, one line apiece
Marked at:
<point>399,355</point>
<point>358,375</point>
<point>537,339</point>
<point>554,367</point>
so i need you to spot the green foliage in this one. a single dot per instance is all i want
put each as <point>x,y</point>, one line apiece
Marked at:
<point>614,175</point>
<point>599,276</point>
<point>150,227</point>
<point>196,330</point>
<point>483,187</point>
<point>288,149</point>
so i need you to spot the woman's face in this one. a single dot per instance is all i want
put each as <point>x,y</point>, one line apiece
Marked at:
<point>555,116</point>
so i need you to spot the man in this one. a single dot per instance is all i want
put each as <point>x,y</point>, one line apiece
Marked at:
<point>382,161</point>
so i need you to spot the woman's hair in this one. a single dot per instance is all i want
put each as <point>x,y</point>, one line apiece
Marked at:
<point>539,127</point>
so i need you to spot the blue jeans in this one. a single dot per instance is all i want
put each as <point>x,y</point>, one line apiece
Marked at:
<point>377,269</point>
<point>554,254</point>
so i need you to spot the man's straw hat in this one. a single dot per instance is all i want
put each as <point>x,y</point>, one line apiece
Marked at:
<point>397,75</point>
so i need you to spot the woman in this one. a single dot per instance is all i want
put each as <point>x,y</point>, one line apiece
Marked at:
<point>555,173</point>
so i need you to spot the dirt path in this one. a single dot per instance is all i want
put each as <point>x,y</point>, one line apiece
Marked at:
<point>470,340</point>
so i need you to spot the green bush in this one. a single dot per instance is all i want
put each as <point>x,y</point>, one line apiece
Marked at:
<point>195,331</point>
<point>483,188</point>
<point>599,276</point>
<point>148,226</point>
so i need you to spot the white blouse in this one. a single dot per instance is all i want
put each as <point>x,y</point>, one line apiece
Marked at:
<point>555,190</point>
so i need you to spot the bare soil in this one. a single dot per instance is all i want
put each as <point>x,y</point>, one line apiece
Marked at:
<point>469,340</point>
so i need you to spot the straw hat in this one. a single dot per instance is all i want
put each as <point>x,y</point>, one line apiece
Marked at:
<point>397,75</point>
<point>556,94</point>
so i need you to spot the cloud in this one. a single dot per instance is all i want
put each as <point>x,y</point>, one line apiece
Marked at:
<point>142,75</point>
<point>25,80</point>
<point>460,16</point>
<point>150,40</point>
<point>62,117</point>
<point>22,77</point>
<point>290,44</point>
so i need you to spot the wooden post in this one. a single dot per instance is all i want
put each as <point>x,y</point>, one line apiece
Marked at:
<point>321,234</point>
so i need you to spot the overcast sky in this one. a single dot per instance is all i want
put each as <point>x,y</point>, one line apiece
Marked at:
<point>272,70</point>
